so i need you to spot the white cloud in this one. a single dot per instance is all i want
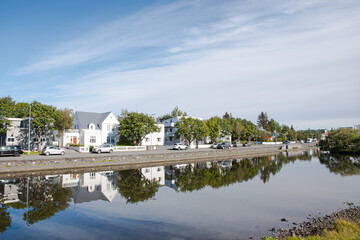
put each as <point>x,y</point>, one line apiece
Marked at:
<point>297,60</point>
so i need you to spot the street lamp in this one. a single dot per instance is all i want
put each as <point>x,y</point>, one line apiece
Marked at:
<point>151,134</point>
<point>29,130</point>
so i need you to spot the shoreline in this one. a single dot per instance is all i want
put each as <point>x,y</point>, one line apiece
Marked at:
<point>316,225</point>
<point>9,168</point>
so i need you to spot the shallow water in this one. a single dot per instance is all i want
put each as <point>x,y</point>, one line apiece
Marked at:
<point>212,200</point>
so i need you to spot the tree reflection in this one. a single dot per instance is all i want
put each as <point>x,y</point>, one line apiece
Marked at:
<point>5,219</point>
<point>44,199</point>
<point>345,165</point>
<point>134,187</point>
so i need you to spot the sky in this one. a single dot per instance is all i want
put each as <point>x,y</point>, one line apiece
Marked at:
<point>298,61</point>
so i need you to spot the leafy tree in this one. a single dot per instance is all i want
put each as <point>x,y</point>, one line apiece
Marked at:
<point>134,187</point>
<point>176,112</point>
<point>135,126</point>
<point>237,129</point>
<point>64,121</point>
<point>43,119</point>
<point>7,106</point>
<point>21,110</point>
<point>274,126</point>
<point>213,127</point>
<point>250,130</point>
<point>263,121</point>
<point>343,140</point>
<point>190,129</point>
<point>227,115</point>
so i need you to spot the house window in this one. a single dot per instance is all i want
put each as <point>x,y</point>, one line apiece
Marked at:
<point>170,130</point>
<point>92,175</point>
<point>147,170</point>
<point>159,169</point>
<point>112,139</point>
<point>108,139</point>
<point>92,139</point>
<point>146,139</point>
<point>11,139</point>
<point>159,139</point>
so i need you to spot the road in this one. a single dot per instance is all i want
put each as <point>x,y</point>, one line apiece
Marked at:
<point>161,150</point>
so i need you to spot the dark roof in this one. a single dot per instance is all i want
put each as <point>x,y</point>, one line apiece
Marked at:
<point>85,118</point>
<point>81,194</point>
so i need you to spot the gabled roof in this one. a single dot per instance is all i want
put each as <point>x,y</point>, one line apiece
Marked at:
<point>85,118</point>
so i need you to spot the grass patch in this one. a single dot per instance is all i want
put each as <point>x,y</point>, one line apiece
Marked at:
<point>343,230</point>
<point>31,153</point>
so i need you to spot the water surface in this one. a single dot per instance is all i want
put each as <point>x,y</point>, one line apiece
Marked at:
<point>211,200</point>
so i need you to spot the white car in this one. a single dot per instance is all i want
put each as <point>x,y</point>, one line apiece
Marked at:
<point>178,146</point>
<point>103,148</point>
<point>49,150</point>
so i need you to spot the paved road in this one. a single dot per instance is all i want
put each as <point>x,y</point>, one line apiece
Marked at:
<point>163,149</point>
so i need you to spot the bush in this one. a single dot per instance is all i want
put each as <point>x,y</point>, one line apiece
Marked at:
<point>75,145</point>
<point>342,140</point>
<point>91,148</point>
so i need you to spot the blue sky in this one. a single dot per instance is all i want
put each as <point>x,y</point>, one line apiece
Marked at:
<point>297,60</point>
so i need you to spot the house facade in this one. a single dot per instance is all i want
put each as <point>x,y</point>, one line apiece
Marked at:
<point>18,134</point>
<point>92,129</point>
<point>155,138</point>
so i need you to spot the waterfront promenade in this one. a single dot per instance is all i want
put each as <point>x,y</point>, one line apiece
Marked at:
<point>128,160</point>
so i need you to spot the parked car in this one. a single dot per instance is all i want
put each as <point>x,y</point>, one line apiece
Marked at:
<point>50,150</point>
<point>17,148</point>
<point>224,145</point>
<point>248,144</point>
<point>286,142</point>
<point>104,148</point>
<point>236,144</point>
<point>8,151</point>
<point>179,146</point>
<point>214,146</point>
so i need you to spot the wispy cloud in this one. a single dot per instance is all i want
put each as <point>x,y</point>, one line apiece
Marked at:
<point>288,58</point>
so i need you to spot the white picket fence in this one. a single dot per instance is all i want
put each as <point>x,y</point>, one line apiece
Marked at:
<point>129,148</point>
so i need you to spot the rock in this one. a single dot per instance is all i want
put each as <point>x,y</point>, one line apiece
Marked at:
<point>284,220</point>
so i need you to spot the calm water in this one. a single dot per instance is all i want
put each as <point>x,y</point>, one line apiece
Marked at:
<point>212,200</point>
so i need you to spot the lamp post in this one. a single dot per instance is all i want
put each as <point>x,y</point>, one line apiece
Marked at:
<point>29,130</point>
<point>151,134</point>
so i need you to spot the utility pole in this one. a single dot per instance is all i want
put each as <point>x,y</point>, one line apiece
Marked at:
<point>29,130</point>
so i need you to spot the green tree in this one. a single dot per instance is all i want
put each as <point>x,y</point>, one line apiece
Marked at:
<point>135,126</point>
<point>176,112</point>
<point>343,140</point>
<point>237,129</point>
<point>274,126</point>
<point>43,120</point>
<point>190,129</point>
<point>7,106</point>
<point>213,127</point>
<point>263,121</point>
<point>21,110</point>
<point>134,187</point>
<point>5,218</point>
<point>64,121</point>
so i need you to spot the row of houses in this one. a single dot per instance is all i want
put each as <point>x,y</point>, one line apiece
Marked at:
<point>90,129</point>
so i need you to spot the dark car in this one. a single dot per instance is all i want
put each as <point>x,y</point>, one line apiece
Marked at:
<point>17,148</point>
<point>286,142</point>
<point>224,145</point>
<point>248,144</point>
<point>8,151</point>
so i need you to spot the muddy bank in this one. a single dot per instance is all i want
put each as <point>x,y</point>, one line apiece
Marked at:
<point>316,225</point>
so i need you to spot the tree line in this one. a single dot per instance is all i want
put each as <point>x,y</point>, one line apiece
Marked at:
<point>134,126</point>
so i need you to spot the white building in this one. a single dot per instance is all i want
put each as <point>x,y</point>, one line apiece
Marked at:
<point>91,186</point>
<point>170,130</point>
<point>92,129</point>
<point>155,138</point>
<point>155,174</point>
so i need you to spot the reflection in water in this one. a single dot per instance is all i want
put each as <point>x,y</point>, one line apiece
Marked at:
<point>41,197</point>
<point>344,165</point>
